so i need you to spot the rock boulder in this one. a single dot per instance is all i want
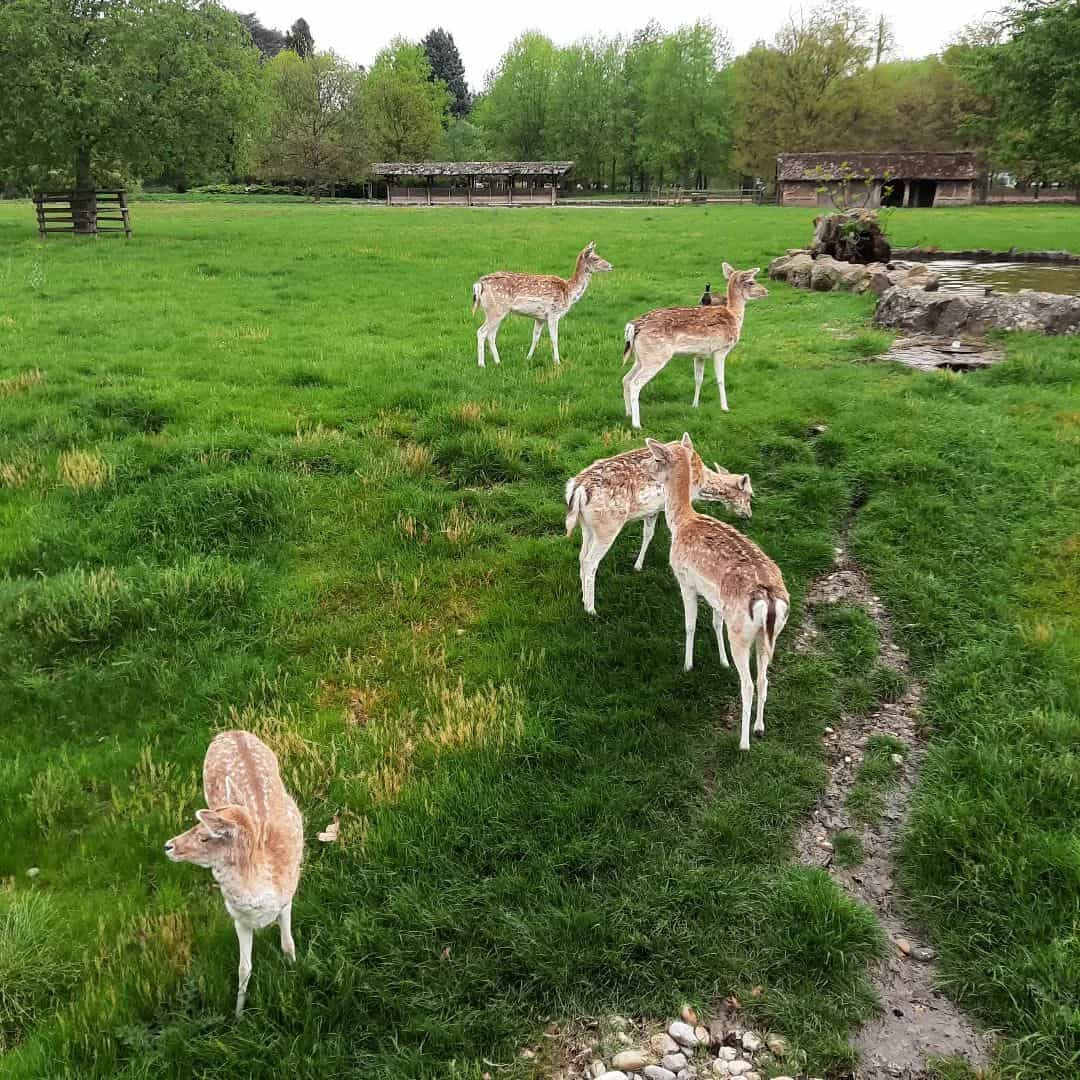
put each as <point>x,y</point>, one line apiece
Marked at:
<point>954,314</point>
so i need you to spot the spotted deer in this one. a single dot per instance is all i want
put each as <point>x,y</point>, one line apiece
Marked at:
<point>742,585</point>
<point>614,491</point>
<point>251,838</point>
<point>541,297</point>
<point>706,330</point>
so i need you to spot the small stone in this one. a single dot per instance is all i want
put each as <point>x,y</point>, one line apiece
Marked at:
<point>683,1034</point>
<point>783,1078</point>
<point>897,759</point>
<point>528,1055</point>
<point>701,1034</point>
<point>622,1038</point>
<point>738,1067</point>
<point>829,730</point>
<point>825,845</point>
<point>716,1032</point>
<point>617,1023</point>
<point>597,1068</point>
<point>847,759</point>
<point>655,1072</point>
<point>751,1076</point>
<point>674,1062</point>
<point>727,1053</point>
<point>777,1044</point>
<point>686,1074</point>
<point>663,1044</point>
<point>750,1040</point>
<point>720,1067</point>
<point>923,953</point>
<point>33,871</point>
<point>689,1015</point>
<point>630,1060</point>
<point>614,1074</point>
<point>904,946</point>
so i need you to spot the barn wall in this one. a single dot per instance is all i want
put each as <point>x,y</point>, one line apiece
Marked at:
<point>955,193</point>
<point>798,193</point>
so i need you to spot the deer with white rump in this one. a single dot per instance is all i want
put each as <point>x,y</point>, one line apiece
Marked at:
<point>742,585</point>
<point>251,838</point>
<point>706,330</point>
<point>614,491</point>
<point>543,298</point>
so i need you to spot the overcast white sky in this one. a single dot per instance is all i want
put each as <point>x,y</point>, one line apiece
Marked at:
<point>483,30</point>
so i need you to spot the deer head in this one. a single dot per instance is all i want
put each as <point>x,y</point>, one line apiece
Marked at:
<point>592,262</point>
<point>220,839</point>
<point>733,490</point>
<point>741,283</point>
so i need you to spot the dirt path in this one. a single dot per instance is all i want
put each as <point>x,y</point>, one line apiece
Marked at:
<point>917,1023</point>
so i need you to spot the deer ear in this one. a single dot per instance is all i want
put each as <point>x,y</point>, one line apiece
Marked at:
<point>754,272</point>
<point>659,451</point>
<point>686,440</point>
<point>591,245</point>
<point>215,824</point>
<point>728,270</point>
<point>744,483</point>
<point>717,467</point>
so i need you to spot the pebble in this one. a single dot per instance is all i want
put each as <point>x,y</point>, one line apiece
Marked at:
<point>623,1038</point>
<point>898,759</point>
<point>738,1067</point>
<point>716,1032</point>
<point>777,1045</point>
<point>689,1015</point>
<point>701,1034</point>
<point>829,731</point>
<point>618,1023</point>
<point>904,946</point>
<point>528,1055</point>
<point>683,1034</point>
<point>597,1068</point>
<point>655,1072</point>
<point>630,1060</point>
<point>614,1074</point>
<point>33,871</point>
<point>751,1076</point>
<point>663,1044</point>
<point>783,1078</point>
<point>825,845</point>
<point>847,759</point>
<point>750,1040</point>
<point>720,1067</point>
<point>686,1074</point>
<point>727,1053</point>
<point>923,954</point>
<point>674,1062</point>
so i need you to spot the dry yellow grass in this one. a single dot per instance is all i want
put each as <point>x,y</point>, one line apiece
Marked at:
<point>18,384</point>
<point>460,526</point>
<point>18,473</point>
<point>80,470</point>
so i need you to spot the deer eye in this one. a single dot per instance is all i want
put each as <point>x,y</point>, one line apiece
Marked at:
<point>204,839</point>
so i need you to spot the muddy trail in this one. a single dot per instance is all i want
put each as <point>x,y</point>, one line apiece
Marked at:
<point>918,1023</point>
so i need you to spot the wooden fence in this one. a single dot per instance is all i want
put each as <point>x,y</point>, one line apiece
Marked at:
<point>82,212</point>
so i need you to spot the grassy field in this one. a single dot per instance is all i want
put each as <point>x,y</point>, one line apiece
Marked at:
<point>251,475</point>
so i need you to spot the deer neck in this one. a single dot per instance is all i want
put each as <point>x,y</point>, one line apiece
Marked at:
<point>578,283</point>
<point>736,303</point>
<point>677,505</point>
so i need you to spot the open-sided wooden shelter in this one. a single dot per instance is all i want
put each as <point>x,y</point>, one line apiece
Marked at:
<point>471,183</point>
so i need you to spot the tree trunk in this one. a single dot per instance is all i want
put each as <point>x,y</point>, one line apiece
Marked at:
<point>84,202</point>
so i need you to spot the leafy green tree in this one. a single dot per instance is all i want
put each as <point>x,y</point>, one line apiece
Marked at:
<point>266,39</point>
<point>299,39</point>
<point>464,141</point>
<point>93,88</point>
<point>797,93</point>
<point>684,131</point>
<point>404,110</point>
<point>1033,80</point>
<point>311,132</point>
<point>516,106</point>
<point>638,58</point>
<point>445,61</point>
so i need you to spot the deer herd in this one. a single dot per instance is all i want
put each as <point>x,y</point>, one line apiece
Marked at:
<point>250,836</point>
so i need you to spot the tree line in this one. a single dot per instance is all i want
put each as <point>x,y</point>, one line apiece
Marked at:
<point>185,92</point>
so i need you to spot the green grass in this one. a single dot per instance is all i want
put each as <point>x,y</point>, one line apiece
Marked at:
<point>878,772</point>
<point>261,481</point>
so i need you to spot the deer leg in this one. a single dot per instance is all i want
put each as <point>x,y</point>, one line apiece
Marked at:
<point>699,375</point>
<point>718,360</point>
<point>646,539</point>
<point>481,338</point>
<point>553,333</point>
<point>740,653</point>
<point>492,331</point>
<point>689,599</point>
<point>244,935</point>
<point>764,655</point>
<point>601,540</point>
<point>627,383</point>
<point>718,626</point>
<point>288,946</point>
<point>538,329</point>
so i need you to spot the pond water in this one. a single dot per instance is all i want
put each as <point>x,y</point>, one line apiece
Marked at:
<point>967,275</point>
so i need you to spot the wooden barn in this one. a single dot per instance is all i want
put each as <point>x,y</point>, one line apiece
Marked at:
<point>471,183</point>
<point>895,179</point>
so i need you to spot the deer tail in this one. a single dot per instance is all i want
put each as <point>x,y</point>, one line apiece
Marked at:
<point>576,498</point>
<point>477,289</point>
<point>770,613</point>
<point>629,333</point>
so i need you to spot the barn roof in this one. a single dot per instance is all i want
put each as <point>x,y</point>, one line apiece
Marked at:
<point>900,164</point>
<point>471,168</point>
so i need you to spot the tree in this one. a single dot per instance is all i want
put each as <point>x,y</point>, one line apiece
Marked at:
<point>97,88</point>
<point>311,133</point>
<point>684,133</point>
<point>403,108</point>
<point>267,40</point>
<point>1033,80</point>
<point>637,62</point>
<point>797,93</point>
<point>464,141</point>
<point>445,60</point>
<point>515,108</point>
<point>299,39</point>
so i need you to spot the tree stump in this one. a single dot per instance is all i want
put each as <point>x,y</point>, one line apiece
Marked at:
<point>851,236</point>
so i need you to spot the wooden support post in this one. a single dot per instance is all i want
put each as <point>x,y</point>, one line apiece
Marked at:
<point>428,190</point>
<point>554,188</point>
<point>510,191</point>
<point>468,190</point>
<point>389,181</point>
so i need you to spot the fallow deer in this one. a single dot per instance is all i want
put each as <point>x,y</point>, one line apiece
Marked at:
<point>742,585</point>
<point>706,330</point>
<point>541,297</point>
<point>614,491</point>
<point>251,838</point>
